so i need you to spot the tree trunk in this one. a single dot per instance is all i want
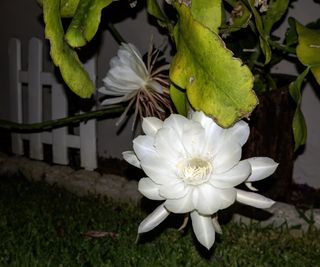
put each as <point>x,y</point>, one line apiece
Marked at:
<point>271,136</point>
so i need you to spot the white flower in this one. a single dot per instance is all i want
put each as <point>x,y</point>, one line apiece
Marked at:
<point>129,79</point>
<point>193,166</point>
<point>263,4</point>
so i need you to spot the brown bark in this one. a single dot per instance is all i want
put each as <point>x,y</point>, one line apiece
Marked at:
<point>271,136</point>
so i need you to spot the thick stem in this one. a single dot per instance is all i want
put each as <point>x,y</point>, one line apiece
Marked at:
<point>47,125</point>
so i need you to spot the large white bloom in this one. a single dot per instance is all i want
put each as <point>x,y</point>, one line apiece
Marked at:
<point>194,165</point>
<point>129,79</point>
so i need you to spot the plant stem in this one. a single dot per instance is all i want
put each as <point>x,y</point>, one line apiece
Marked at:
<point>115,33</point>
<point>282,47</point>
<point>48,125</point>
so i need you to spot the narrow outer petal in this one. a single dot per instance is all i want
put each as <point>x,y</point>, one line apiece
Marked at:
<point>203,229</point>
<point>153,219</point>
<point>233,177</point>
<point>151,125</point>
<point>262,167</point>
<point>254,199</point>
<point>130,157</point>
<point>149,189</point>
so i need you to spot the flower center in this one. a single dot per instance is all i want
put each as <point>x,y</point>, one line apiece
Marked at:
<point>195,171</point>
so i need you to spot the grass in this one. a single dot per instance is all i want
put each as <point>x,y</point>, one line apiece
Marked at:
<point>41,225</point>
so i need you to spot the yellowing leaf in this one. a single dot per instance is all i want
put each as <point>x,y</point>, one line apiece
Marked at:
<point>62,54</point>
<point>208,12</point>
<point>216,82</point>
<point>308,49</point>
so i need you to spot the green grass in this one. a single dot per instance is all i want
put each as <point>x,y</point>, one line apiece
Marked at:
<point>41,225</point>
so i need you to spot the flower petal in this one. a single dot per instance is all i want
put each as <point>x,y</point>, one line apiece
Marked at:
<point>177,123</point>
<point>149,189</point>
<point>228,156</point>
<point>254,199</point>
<point>116,100</point>
<point>153,219</point>
<point>203,229</point>
<point>143,146</point>
<point>130,157</point>
<point>181,205</point>
<point>151,125</point>
<point>174,191</point>
<point>239,132</point>
<point>159,169</point>
<point>233,177</point>
<point>168,144</point>
<point>262,167</point>
<point>208,199</point>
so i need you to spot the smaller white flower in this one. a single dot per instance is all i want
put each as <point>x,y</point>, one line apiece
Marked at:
<point>193,165</point>
<point>263,4</point>
<point>129,79</point>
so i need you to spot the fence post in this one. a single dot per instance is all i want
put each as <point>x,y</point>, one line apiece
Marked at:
<point>35,95</point>
<point>88,131</point>
<point>59,135</point>
<point>15,93</point>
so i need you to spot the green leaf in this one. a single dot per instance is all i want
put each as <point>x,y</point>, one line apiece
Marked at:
<point>308,49</point>
<point>62,54</point>
<point>155,11</point>
<point>179,99</point>
<point>85,22</point>
<point>298,125</point>
<point>67,7</point>
<point>239,21</point>
<point>208,12</point>
<point>216,82</point>
<point>291,37</point>
<point>263,36</point>
<point>276,9</point>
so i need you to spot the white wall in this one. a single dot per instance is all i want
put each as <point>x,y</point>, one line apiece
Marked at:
<point>22,19</point>
<point>307,167</point>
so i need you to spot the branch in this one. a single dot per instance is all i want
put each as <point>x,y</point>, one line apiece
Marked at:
<point>48,125</point>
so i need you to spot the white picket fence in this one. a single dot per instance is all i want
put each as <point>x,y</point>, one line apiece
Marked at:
<point>35,79</point>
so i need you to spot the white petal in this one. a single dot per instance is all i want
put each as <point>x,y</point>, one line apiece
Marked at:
<point>216,225</point>
<point>250,186</point>
<point>228,156</point>
<point>262,167</point>
<point>131,158</point>
<point>151,125</point>
<point>143,146</point>
<point>153,219</point>
<point>177,123</point>
<point>203,229</point>
<point>181,205</point>
<point>208,200</point>
<point>212,130</point>
<point>254,199</point>
<point>159,170</point>
<point>233,177</point>
<point>174,191</point>
<point>107,91</point>
<point>149,189</point>
<point>115,100</point>
<point>154,85</point>
<point>239,132</point>
<point>168,144</point>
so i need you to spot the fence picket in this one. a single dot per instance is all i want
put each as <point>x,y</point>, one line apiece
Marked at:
<point>59,138</point>
<point>59,135</point>
<point>15,93</point>
<point>35,95</point>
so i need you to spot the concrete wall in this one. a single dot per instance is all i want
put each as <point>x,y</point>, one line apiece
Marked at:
<point>22,19</point>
